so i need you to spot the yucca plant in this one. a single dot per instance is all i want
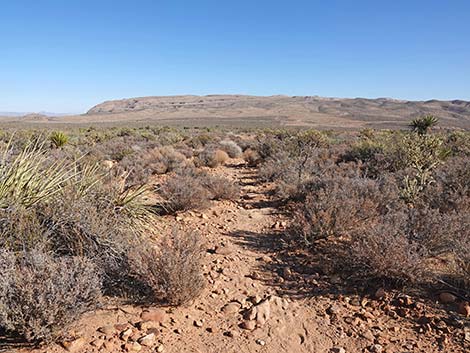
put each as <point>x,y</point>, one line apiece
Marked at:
<point>58,139</point>
<point>423,124</point>
<point>27,178</point>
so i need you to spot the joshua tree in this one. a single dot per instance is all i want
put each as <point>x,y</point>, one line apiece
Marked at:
<point>423,124</point>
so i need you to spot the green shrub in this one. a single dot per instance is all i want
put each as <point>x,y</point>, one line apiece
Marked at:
<point>58,139</point>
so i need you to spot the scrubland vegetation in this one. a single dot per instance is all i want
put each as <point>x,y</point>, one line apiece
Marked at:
<point>78,209</point>
<point>385,206</point>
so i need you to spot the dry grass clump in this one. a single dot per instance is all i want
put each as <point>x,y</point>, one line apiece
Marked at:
<point>184,192</point>
<point>211,157</point>
<point>220,188</point>
<point>232,149</point>
<point>41,295</point>
<point>144,164</point>
<point>173,272</point>
<point>251,157</point>
<point>193,189</point>
<point>338,206</point>
<point>386,250</point>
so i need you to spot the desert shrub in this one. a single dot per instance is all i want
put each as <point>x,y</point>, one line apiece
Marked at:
<point>339,206</point>
<point>58,139</point>
<point>90,225</point>
<point>458,142</point>
<point>211,157</point>
<point>200,141</point>
<point>461,253</point>
<point>385,251</point>
<point>437,231</point>
<point>68,209</point>
<point>290,160</point>
<point>41,295</point>
<point>220,188</point>
<point>21,228</point>
<point>251,157</point>
<point>146,163</point>
<point>173,271</point>
<point>184,192</point>
<point>416,156</point>
<point>231,148</point>
<point>450,189</point>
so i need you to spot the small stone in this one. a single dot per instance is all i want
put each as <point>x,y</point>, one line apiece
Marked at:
<point>464,309</point>
<point>380,293</point>
<point>259,313</point>
<point>107,330</point>
<point>121,327</point>
<point>147,326</point>
<point>333,309</point>
<point>286,272</point>
<point>248,325</point>
<point>147,340</point>
<point>155,315</point>
<point>368,335</point>
<point>160,348</point>
<point>447,298</point>
<point>197,323</point>
<point>98,343</point>
<point>109,346</point>
<point>75,345</point>
<point>255,299</point>
<point>260,342</point>
<point>376,348</point>
<point>338,350</point>
<point>126,334</point>
<point>133,347</point>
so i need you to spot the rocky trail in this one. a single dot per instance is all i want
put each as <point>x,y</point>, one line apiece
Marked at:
<point>255,300</point>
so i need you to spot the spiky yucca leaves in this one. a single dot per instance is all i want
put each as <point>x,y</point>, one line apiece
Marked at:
<point>27,179</point>
<point>58,139</point>
<point>423,124</point>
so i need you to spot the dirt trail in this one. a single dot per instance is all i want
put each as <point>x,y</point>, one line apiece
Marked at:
<point>292,309</point>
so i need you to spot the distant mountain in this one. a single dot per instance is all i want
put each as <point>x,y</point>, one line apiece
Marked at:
<point>270,111</point>
<point>18,114</point>
<point>285,110</point>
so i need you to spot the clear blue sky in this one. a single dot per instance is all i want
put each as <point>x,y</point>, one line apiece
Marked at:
<point>65,56</point>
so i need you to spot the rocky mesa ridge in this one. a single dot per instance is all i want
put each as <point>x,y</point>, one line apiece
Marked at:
<point>290,110</point>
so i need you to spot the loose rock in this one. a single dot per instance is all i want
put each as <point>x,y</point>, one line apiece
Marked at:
<point>107,330</point>
<point>447,298</point>
<point>147,340</point>
<point>75,345</point>
<point>260,313</point>
<point>464,309</point>
<point>248,325</point>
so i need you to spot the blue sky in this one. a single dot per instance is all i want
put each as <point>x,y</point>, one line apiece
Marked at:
<point>65,56</point>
